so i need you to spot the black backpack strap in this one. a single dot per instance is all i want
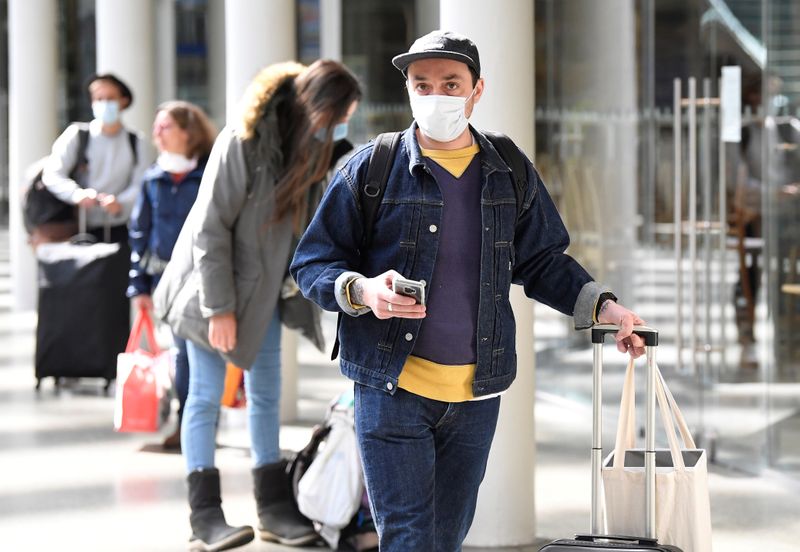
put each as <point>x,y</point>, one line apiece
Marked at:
<point>134,142</point>
<point>371,195</point>
<point>83,143</point>
<point>511,154</point>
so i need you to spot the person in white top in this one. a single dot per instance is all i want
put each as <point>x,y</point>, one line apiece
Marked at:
<point>107,180</point>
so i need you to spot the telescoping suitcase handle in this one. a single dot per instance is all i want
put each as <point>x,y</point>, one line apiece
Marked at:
<point>650,336</point>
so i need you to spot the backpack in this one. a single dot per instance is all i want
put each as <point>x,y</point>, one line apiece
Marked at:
<point>327,482</point>
<point>380,165</point>
<point>40,206</point>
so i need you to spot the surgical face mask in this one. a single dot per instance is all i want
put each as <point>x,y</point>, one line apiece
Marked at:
<point>440,118</point>
<point>176,163</point>
<point>106,111</point>
<point>339,132</point>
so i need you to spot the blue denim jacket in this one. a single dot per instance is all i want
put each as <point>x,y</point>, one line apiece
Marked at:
<point>525,248</point>
<point>157,218</point>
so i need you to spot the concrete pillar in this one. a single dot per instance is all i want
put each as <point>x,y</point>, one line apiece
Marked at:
<point>605,33</point>
<point>330,29</point>
<point>32,119</point>
<point>215,41</point>
<point>125,47</point>
<point>505,512</point>
<point>257,33</point>
<point>166,47</point>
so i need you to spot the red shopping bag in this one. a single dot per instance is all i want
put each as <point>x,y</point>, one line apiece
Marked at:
<point>142,381</point>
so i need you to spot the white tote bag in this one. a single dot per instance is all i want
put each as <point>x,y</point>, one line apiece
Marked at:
<point>683,512</point>
<point>330,491</point>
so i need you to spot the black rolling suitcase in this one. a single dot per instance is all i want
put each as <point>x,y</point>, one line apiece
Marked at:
<point>595,540</point>
<point>84,315</point>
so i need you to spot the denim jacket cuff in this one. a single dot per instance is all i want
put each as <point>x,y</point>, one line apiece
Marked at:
<point>583,313</point>
<point>340,291</point>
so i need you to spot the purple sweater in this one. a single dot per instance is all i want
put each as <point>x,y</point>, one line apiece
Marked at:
<point>449,331</point>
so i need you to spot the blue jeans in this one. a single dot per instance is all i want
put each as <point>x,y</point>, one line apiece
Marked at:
<point>423,462</point>
<point>263,389</point>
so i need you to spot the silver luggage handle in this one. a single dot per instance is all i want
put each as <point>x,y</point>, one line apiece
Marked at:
<point>650,336</point>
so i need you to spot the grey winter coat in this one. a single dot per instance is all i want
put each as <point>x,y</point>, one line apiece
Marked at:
<point>229,257</point>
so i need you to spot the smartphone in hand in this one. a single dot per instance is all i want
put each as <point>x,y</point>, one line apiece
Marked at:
<point>409,288</point>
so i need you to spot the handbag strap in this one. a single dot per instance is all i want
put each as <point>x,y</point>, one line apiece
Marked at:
<point>683,427</point>
<point>669,424</point>
<point>670,415</point>
<point>143,322</point>
<point>626,436</point>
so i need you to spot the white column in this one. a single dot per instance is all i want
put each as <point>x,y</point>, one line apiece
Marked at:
<point>605,33</point>
<point>215,41</point>
<point>32,120</point>
<point>257,33</point>
<point>505,512</point>
<point>166,46</point>
<point>125,47</point>
<point>330,29</point>
<point>289,394</point>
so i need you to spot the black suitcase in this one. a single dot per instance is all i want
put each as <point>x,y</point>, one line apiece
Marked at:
<point>84,315</point>
<point>596,541</point>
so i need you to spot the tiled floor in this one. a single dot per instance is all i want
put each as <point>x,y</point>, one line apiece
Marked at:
<point>69,483</point>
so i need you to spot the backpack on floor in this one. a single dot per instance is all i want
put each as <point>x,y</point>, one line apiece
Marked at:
<point>327,481</point>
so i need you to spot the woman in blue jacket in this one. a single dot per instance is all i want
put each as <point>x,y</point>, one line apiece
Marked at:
<point>183,135</point>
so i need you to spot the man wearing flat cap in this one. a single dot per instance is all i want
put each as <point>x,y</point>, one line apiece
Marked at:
<point>99,165</point>
<point>429,377</point>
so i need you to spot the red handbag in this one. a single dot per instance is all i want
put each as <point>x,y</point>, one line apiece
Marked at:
<point>142,381</point>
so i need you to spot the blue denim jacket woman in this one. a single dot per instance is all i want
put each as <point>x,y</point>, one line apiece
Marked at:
<point>157,219</point>
<point>183,136</point>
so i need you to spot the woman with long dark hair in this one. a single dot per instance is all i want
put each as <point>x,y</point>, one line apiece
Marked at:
<point>222,288</point>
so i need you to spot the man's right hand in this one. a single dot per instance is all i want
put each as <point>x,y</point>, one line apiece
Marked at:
<point>222,332</point>
<point>85,197</point>
<point>376,293</point>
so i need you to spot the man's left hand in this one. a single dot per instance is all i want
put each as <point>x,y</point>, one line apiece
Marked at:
<point>627,341</point>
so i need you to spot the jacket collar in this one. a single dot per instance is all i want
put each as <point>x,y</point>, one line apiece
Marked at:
<point>488,154</point>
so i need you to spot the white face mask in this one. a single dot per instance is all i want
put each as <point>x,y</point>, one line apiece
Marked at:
<point>106,111</point>
<point>175,162</point>
<point>440,118</point>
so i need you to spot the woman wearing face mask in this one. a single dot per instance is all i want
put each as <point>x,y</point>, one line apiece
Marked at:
<point>222,287</point>
<point>183,136</point>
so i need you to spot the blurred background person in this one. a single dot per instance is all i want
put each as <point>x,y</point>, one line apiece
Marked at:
<point>183,136</point>
<point>221,289</point>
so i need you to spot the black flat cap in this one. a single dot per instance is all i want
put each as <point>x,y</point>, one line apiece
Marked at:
<point>441,44</point>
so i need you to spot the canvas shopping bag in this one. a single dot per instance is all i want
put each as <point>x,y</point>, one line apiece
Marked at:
<point>142,381</point>
<point>683,513</point>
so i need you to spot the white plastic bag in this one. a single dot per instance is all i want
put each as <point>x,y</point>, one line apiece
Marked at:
<point>330,491</point>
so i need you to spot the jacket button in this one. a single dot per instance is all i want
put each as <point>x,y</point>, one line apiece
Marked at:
<point>389,386</point>
<point>433,228</point>
<point>409,337</point>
